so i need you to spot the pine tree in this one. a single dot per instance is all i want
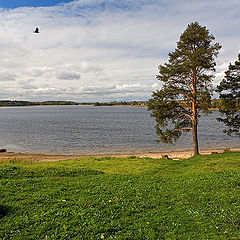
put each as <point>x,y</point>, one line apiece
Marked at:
<point>229,89</point>
<point>186,86</point>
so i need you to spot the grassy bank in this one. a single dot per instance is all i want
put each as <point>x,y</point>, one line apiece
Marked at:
<point>121,198</point>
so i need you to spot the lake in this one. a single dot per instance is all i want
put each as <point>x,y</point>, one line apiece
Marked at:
<point>97,130</point>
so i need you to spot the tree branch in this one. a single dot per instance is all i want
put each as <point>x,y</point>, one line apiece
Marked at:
<point>185,114</point>
<point>186,128</point>
<point>187,106</point>
<point>185,94</point>
<point>179,92</point>
<point>186,81</point>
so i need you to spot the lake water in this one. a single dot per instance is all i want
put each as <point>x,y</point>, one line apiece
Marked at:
<point>96,130</point>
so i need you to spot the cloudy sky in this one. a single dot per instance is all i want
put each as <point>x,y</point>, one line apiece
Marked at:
<point>102,50</point>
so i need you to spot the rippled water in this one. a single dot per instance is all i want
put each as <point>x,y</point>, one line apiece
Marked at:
<point>96,130</point>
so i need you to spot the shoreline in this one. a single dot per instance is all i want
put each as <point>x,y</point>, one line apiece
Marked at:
<point>7,156</point>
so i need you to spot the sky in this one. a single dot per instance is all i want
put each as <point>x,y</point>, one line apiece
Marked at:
<point>102,50</point>
<point>30,3</point>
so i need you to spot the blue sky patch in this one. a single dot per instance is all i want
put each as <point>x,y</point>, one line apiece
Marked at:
<point>30,3</point>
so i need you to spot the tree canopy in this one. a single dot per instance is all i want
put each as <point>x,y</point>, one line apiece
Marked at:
<point>186,89</point>
<point>229,89</point>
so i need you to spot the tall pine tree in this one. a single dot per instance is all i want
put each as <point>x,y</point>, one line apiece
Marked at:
<point>186,86</point>
<point>229,89</point>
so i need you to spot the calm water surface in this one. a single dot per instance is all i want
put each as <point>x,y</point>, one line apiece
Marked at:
<point>96,130</point>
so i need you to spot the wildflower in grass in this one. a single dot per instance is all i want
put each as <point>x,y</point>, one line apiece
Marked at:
<point>148,223</point>
<point>110,200</point>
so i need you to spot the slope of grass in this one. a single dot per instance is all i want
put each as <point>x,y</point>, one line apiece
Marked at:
<point>121,198</point>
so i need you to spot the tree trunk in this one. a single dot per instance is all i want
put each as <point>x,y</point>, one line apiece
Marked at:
<point>195,137</point>
<point>194,116</point>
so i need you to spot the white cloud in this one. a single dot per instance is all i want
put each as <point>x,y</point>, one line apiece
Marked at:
<point>7,76</point>
<point>29,86</point>
<point>155,86</point>
<point>36,71</point>
<point>104,49</point>
<point>85,67</point>
<point>68,75</point>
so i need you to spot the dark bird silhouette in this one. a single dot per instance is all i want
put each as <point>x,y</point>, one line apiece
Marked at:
<point>36,30</point>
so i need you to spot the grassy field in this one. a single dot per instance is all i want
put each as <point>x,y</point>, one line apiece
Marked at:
<point>121,198</point>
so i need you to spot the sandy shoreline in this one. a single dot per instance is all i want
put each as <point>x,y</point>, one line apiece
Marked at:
<point>47,158</point>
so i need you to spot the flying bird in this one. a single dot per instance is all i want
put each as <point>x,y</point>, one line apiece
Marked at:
<point>36,30</point>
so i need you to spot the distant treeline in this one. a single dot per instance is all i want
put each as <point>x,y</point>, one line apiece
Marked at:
<point>215,103</point>
<point>5,103</point>
<point>120,103</point>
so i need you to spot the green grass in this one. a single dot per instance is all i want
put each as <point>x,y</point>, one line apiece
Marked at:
<point>121,198</point>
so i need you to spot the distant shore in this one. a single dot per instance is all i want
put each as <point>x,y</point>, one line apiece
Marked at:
<point>7,156</point>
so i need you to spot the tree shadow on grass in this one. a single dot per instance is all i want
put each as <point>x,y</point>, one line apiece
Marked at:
<point>4,210</point>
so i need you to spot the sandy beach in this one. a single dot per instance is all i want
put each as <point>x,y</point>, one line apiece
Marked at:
<point>47,158</point>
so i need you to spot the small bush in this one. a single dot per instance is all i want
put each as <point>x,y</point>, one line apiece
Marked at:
<point>131,157</point>
<point>227,150</point>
